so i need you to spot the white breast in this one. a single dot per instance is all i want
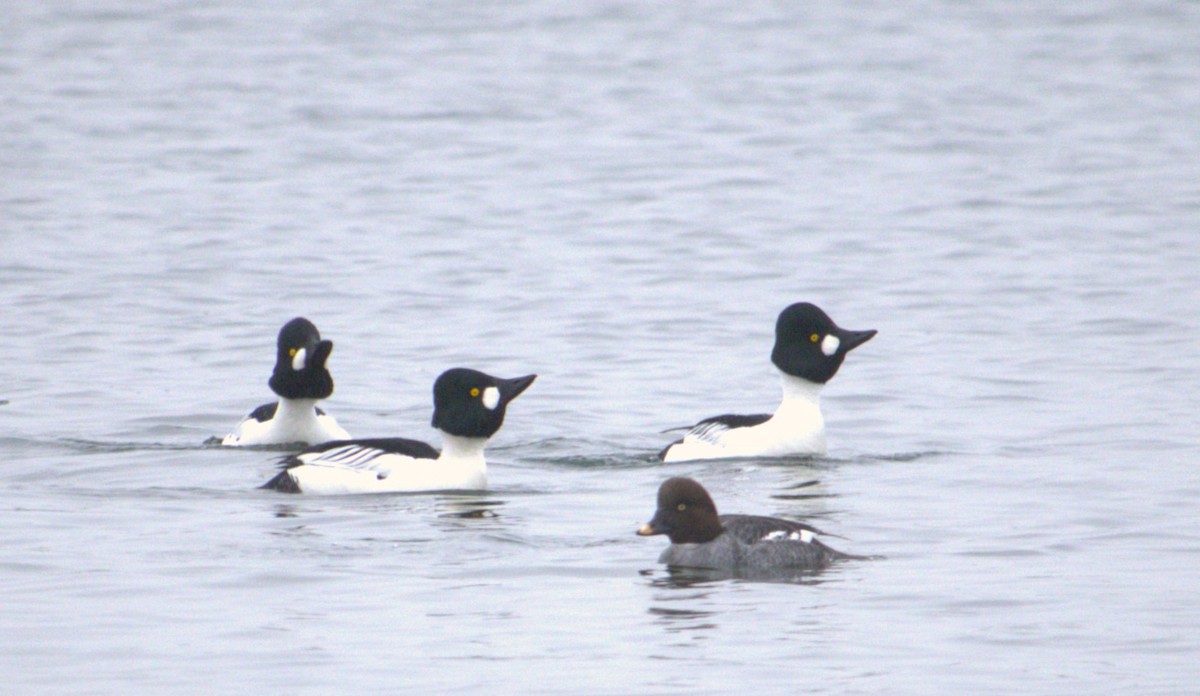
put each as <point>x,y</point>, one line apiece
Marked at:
<point>295,420</point>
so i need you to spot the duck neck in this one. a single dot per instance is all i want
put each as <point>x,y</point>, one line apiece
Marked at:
<point>458,447</point>
<point>799,394</point>
<point>292,410</point>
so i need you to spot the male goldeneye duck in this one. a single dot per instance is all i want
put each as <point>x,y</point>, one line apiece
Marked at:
<point>468,408</point>
<point>700,538</point>
<point>300,379</point>
<point>809,349</point>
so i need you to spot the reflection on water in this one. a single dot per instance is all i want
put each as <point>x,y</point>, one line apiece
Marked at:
<point>691,599</point>
<point>677,577</point>
<point>803,496</point>
<point>287,447</point>
<point>468,507</point>
<point>675,610</point>
<point>683,620</point>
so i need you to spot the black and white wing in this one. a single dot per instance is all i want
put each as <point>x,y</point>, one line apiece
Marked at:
<point>751,529</point>
<point>360,454</point>
<point>266,412</point>
<point>775,542</point>
<point>249,429</point>
<point>263,413</point>
<point>710,430</point>
<point>376,455</point>
<point>799,550</point>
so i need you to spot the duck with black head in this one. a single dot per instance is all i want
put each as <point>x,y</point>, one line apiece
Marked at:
<point>809,349</point>
<point>300,379</point>
<point>468,408</point>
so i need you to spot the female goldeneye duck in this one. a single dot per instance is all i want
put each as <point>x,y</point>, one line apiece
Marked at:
<point>468,408</point>
<point>809,349</point>
<point>300,379</point>
<point>700,538</point>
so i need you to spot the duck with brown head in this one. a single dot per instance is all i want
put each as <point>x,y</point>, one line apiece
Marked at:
<point>752,544</point>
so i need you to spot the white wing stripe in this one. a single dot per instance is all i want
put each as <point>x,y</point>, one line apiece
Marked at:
<point>802,535</point>
<point>350,456</point>
<point>708,432</point>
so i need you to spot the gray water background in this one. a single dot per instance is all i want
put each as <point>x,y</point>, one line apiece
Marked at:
<point>619,197</point>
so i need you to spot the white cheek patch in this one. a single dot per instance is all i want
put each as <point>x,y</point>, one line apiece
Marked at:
<point>830,345</point>
<point>491,398</point>
<point>299,359</point>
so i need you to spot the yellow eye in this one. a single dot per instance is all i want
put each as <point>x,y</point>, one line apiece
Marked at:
<point>474,391</point>
<point>681,507</point>
<point>292,352</point>
<point>814,338</point>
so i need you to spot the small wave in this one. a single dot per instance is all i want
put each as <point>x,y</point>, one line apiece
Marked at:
<point>893,457</point>
<point>85,446</point>
<point>596,461</point>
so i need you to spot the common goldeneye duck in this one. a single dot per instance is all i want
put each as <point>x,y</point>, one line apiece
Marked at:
<point>468,408</point>
<point>700,538</point>
<point>300,379</point>
<point>809,349</point>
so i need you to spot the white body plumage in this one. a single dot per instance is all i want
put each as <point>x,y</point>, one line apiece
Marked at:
<point>796,428</point>
<point>356,468</point>
<point>294,420</point>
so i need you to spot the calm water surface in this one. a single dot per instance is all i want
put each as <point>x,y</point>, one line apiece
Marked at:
<point>620,198</point>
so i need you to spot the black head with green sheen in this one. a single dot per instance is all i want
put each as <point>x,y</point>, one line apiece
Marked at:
<point>470,403</point>
<point>300,371</point>
<point>810,346</point>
